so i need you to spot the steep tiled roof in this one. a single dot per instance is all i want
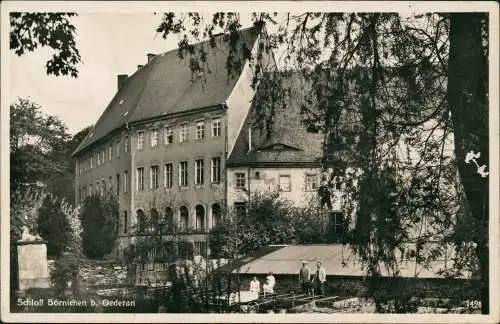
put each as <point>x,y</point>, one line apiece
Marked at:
<point>166,85</point>
<point>337,259</point>
<point>289,142</point>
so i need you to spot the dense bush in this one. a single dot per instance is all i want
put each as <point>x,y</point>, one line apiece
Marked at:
<point>65,271</point>
<point>53,226</point>
<point>99,217</point>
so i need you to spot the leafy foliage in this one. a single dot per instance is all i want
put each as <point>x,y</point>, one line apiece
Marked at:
<point>65,272</point>
<point>28,31</point>
<point>36,145</point>
<point>53,226</point>
<point>379,97</point>
<point>99,218</point>
<point>269,219</point>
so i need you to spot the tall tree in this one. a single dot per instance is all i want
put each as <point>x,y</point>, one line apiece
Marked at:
<point>379,84</point>
<point>468,104</point>
<point>37,144</point>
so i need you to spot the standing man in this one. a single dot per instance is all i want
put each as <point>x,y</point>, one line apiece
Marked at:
<point>304,278</point>
<point>255,285</point>
<point>319,279</point>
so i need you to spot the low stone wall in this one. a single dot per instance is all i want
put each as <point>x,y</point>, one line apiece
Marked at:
<point>351,286</point>
<point>103,274</point>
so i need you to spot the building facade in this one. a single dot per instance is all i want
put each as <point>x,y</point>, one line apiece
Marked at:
<point>162,143</point>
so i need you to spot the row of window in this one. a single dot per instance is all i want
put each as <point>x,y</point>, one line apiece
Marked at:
<point>101,186</point>
<point>284,181</point>
<point>100,157</point>
<point>156,223</point>
<point>183,134</point>
<point>183,175</point>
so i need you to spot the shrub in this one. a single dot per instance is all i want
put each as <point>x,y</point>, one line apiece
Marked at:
<point>99,217</point>
<point>53,226</point>
<point>65,270</point>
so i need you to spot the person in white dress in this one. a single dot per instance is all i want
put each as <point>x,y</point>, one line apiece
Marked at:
<point>255,285</point>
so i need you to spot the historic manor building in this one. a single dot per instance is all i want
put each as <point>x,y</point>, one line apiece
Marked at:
<point>177,147</point>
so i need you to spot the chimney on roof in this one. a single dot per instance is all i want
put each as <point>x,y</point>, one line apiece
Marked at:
<point>150,57</point>
<point>122,79</point>
<point>140,66</point>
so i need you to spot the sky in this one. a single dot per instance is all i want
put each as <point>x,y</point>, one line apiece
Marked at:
<point>110,44</point>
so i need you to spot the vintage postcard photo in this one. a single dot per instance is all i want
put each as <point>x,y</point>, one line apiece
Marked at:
<point>250,162</point>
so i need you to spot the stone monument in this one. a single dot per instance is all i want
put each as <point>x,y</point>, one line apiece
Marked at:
<point>32,261</point>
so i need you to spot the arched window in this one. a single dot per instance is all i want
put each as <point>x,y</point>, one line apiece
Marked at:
<point>155,219</point>
<point>216,215</point>
<point>200,218</point>
<point>141,220</point>
<point>184,218</point>
<point>169,220</point>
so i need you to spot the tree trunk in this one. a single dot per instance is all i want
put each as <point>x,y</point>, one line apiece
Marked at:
<point>467,99</point>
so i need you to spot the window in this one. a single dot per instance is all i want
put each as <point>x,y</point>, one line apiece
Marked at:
<point>90,163</point>
<point>198,171</point>
<point>183,175</point>
<point>125,181</point>
<point>284,182</point>
<point>141,220</point>
<point>125,222</point>
<point>169,220</point>
<point>140,140</point>
<point>311,182</point>
<point>240,207</point>
<point>118,184</point>
<point>168,175</point>
<point>200,130</point>
<point>169,135</point>
<point>98,158</point>
<point>184,218</point>
<point>239,180</point>
<point>155,219</point>
<point>110,152</point>
<point>183,134</point>
<point>126,144</point>
<point>154,137</point>
<point>200,248</point>
<point>216,215</point>
<point>216,127</point>
<point>140,179</point>
<point>103,154</point>
<point>215,168</point>
<point>200,218</point>
<point>153,177</point>
<point>118,148</point>
<point>338,227</point>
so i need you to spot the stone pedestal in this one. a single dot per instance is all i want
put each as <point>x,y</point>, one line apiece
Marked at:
<point>33,269</point>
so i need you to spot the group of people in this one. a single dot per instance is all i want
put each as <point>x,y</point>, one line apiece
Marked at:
<point>310,283</point>
<point>267,288</point>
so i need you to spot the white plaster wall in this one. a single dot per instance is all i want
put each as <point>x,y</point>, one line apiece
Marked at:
<point>268,181</point>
